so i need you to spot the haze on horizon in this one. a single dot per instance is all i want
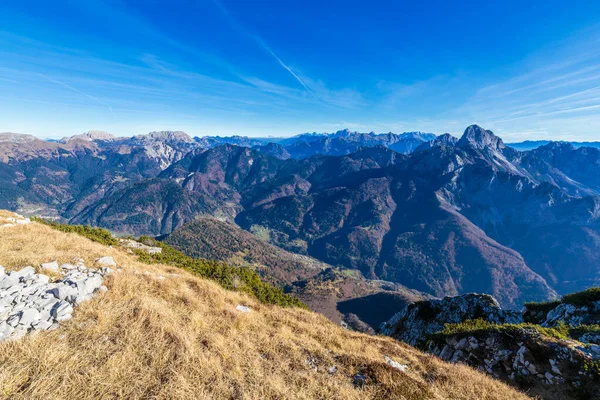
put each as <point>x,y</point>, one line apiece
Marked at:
<point>279,68</point>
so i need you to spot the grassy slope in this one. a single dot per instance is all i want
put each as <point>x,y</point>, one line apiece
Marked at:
<point>182,338</point>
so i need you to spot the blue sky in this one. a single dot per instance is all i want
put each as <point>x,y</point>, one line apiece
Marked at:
<point>525,69</point>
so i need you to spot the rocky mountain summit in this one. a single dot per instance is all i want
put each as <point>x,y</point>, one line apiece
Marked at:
<point>549,349</point>
<point>89,136</point>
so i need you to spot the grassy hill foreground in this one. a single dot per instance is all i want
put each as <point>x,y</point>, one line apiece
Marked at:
<point>181,337</point>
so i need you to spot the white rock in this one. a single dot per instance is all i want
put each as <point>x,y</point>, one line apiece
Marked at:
<point>242,308</point>
<point>68,267</point>
<point>29,316</point>
<point>24,273</point>
<point>51,266</point>
<point>1,271</point>
<point>106,261</point>
<point>62,311</point>
<point>63,292</point>
<point>395,364</point>
<point>43,325</point>
<point>8,281</point>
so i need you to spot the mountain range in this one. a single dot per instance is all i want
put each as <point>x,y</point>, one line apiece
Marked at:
<point>436,215</point>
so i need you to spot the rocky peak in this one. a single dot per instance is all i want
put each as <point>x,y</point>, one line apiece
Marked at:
<point>478,138</point>
<point>417,135</point>
<point>9,137</point>
<point>344,132</point>
<point>557,147</point>
<point>89,136</point>
<point>167,136</point>
<point>274,150</point>
<point>441,141</point>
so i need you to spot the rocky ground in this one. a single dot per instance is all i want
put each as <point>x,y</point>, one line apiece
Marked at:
<point>558,357</point>
<point>30,301</point>
<point>7,221</point>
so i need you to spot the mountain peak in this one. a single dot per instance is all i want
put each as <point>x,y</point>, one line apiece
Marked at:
<point>177,136</point>
<point>9,137</point>
<point>478,138</point>
<point>418,135</point>
<point>89,136</point>
<point>442,140</point>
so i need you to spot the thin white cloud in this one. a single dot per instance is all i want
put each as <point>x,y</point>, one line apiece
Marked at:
<point>80,92</point>
<point>238,27</point>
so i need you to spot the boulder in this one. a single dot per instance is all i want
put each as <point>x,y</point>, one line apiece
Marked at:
<point>50,267</point>
<point>24,273</point>
<point>106,261</point>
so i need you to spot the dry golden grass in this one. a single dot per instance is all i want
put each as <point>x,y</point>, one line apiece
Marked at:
<point>181,338</point>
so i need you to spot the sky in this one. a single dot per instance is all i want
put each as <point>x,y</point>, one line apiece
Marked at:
<point>524,69</point>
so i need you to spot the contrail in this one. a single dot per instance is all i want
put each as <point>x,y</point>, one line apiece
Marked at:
<point>237,26</point>
<point>271,52</point>
<point>81,93</point>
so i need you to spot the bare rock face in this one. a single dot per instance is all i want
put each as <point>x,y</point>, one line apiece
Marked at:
<point>423,318</point>
<point>574,315</point>
<point>523,357</point>
<point>30,302</point>
<point>472,329</point>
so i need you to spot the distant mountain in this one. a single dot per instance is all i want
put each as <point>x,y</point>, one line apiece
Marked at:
<point>392,217</point>
<point>454,215</point>
<point>534,144</point>
<point>345,142</point>
<point>89,136</point>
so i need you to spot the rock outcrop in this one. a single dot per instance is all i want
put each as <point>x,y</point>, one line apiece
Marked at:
<point>423,318</point>
<point>135,245</point>
<point>574,315</point>
<point>523,356</point>
<point>8,222</point>
<point>30,301</point>
<point>557,349</point>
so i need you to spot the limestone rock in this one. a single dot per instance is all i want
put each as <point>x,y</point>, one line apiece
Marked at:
<point>51,266</point>
<point>418,320</point>
<point>29,301</point>
<point>395,364</point>
<point>106,261</point>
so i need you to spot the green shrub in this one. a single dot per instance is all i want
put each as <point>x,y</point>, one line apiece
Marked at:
<point>96,234</point>
<point>481,326</point>
<point>582,298</point>
<point>578,331</point>
<point>232,278</point>
<point>545,306</point>
<point>591,367</point>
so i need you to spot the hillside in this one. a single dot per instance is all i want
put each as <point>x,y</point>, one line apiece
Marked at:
<point>217,240</point>
<point>339,295</point>
<point>161,332</point>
